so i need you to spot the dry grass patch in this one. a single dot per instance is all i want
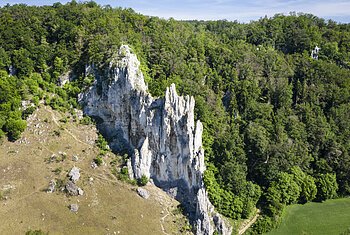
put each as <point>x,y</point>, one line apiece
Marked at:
<point>48,149</point>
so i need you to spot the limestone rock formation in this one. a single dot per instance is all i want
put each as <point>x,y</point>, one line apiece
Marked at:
<point>143,193</point>
<point>73,190</point>
<point>74,174</point>
<point>74,207</point>
<point>160,135</point>
<point>52,186</point>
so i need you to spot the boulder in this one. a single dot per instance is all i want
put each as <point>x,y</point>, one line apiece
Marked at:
<point>74,207</point>
<point>52,186</point>
<point>74,174</point>
<point>93,165</point>
<point>143,193</point>
<point>72,189</point>
<point>75,158</point>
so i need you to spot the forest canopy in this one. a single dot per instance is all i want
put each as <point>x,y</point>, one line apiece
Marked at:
<point>276,128</point>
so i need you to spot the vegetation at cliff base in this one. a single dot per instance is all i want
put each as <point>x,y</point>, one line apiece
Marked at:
<point>276,128</point>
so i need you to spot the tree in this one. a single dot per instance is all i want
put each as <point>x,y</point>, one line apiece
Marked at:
<point>306,183</point>
<point>285,190</point>
<point>22,62</point>
<point>4,59</point>
<point>15,127</point>
<point>308,189</point>
<point>327,186</point>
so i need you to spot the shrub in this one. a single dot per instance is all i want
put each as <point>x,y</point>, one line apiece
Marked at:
<point>306,183</point>
<point>327,186</point>
<point>284,190</point>
<point>143,180</point>
<point>60,183</point>
<point>58,170</point>
<point>98,160</point>
<point>102,144</point>
<point>86,120</point>
<point>124,176</point>
<point>263,225</point>
<point>15,127</point>
<point>124,171</point>
<point>2,134</point>
<point>36,232</point>
<point>28,111</point>
<point>64,120</point>
<point>309,189</point>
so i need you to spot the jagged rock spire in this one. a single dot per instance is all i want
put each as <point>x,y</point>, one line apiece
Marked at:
<point>160,134</point>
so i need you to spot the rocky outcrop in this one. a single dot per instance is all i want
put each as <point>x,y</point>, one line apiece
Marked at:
<point>74,207</point>
<point>160,134</point>
<point>52,186</point>
<point>143,193</point>
<point>72,189</point>
<point>74,174</point>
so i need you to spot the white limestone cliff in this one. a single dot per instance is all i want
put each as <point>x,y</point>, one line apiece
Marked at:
<point>160,134</point>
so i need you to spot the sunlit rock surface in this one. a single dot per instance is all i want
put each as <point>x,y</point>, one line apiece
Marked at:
<point>160,134</point>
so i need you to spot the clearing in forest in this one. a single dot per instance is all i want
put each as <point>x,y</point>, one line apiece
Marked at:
<point>329,217</point>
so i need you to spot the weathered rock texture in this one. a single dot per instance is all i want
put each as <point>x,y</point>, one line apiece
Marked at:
<point>74,174</point>
<point>160,134</point>
<point>143,193</point>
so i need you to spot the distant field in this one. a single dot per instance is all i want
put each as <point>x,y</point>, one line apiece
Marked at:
<point>330,217</point>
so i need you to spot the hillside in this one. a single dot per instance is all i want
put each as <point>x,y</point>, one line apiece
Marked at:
<point>108,205</point>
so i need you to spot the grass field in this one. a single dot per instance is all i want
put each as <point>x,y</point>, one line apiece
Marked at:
<point>330,217</point>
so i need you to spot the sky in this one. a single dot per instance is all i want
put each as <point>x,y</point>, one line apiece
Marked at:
<point>240,10</point>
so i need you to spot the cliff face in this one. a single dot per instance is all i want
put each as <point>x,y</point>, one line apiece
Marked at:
<point>160,134</point>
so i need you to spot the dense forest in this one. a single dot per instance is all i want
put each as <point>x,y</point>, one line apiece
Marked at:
<point>276,127</point>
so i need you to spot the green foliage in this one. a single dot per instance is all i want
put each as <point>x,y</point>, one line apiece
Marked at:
<point>102,144</point>
<point>263,225</point>
<point>22,62</point>
<point>306,183</point>
<point>28,111</point>
<point>124,171</point>
<point>14,128</point>
<point>98,160</point>
<point>36,232</point>
<point>309,189</point>
<point>288,188</point>
<point>327,186</point>
<point>346,232</point>
<point>86,120</point>
<point>124,176</point>
<point>57,171</point>
<point>143,180</point>
<point>226,202</point>
<point>285,190</point>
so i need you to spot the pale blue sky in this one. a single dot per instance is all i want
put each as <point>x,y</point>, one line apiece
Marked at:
<point>241,10</point>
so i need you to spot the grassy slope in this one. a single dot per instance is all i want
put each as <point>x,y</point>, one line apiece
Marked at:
<point>108,205</point>
<point>330,217</point>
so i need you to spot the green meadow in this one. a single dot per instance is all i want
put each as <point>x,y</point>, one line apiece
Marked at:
<point>330,217</point>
